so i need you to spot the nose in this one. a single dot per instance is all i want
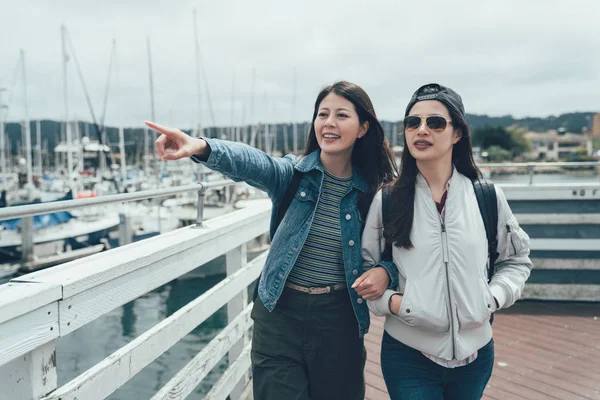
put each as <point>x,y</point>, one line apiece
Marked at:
<point>423,130</point>
<point>329,121</point>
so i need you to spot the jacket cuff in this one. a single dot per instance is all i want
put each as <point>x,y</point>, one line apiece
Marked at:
<point>208,158</point>
<point>392,272</point>
<point>381,305</point>
<point>499,294</point>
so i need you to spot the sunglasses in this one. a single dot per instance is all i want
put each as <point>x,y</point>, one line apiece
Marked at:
<point>434,122</point>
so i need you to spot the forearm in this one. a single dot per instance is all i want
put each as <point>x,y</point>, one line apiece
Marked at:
<point>241,162</point>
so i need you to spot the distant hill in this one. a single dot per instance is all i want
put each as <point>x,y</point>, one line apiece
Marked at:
<point>572,122</point>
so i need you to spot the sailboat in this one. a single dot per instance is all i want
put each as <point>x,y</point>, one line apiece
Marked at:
<point>57,237</point>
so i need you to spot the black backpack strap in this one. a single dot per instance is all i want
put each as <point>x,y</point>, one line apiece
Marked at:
<point>288,196</point>
<point>488,207</point>
<point>386,205</point>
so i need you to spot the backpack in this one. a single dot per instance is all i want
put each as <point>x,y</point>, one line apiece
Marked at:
<point>488,207</point>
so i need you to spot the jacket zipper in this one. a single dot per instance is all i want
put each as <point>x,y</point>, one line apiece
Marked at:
<point>446,260</point>
<point>510,237</point>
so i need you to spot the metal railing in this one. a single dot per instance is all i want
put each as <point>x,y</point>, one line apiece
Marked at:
<point>532,165</point>
<point>544,164</point>
<point>27,212</point>
<point>65,205</point>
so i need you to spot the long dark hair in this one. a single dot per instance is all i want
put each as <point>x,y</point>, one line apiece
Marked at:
<point>397,229</point>
<point>371,155</point>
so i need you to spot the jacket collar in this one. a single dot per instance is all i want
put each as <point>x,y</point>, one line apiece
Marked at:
<point>422,182</point>
<point>313,161</point>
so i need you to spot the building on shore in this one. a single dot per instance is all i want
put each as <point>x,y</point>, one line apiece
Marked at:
<point>557,145</point>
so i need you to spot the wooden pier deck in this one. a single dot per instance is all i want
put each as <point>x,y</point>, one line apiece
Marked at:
<point>544,350</point>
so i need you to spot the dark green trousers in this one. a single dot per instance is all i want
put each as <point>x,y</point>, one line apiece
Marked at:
<point>307,348</point>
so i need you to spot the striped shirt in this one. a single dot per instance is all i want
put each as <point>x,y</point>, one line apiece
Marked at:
<point>321,260</point>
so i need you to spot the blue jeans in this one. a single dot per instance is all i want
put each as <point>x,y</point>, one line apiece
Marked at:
<point>409,375</point>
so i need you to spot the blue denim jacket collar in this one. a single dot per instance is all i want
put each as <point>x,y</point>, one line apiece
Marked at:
<point>313,161</point>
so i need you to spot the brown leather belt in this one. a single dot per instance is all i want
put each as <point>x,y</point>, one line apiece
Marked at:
<point>317,290</point>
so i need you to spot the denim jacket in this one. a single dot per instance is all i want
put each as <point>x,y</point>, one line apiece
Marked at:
<point>241,162</point>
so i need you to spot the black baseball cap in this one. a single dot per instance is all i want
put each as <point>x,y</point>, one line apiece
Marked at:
<point>435,91</point>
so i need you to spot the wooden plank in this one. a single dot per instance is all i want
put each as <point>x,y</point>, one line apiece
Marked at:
<point>375,394</point>
<point>94,302</point>
<point>82,275</point>
<point>567,263</point>
<point>522,367</point>
<point>236,371</point>
<point>559,219</point>
<point>561,292</point>
<point>500,393</point>
<point>186,380</point>
<point>22,334</point>
<point>108,375</point>
<point>18,298</point>
<point>565,244</point>
<point>534,389</point>
<point>375,380</point>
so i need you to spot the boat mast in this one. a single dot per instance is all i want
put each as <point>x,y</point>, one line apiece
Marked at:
<point>121,130</point>
<point>26,128</point>
<point>63,30</point>
<point>295,126</point>
<point>2,141</point>
<point>152,109</point>
<point>198,82</point>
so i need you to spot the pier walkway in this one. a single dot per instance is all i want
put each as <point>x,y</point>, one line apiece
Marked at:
<point>544,351</point>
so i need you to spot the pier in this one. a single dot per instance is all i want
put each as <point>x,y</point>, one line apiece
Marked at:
<point>546,350</point>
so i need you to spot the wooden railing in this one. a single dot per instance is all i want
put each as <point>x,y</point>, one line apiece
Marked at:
<point>37,309</point>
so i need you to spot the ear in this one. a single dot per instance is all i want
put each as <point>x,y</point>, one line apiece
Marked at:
<point>363,129</point>
<point>456,136</point>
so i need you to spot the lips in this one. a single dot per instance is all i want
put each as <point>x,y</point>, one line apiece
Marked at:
<point>331,136</point>
<point>423,143</point>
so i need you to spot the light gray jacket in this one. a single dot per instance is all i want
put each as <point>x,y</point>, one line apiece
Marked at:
<point>447,301</point>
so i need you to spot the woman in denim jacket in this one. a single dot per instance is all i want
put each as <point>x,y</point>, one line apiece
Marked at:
<point>438,336</point>
<point>311,314</point>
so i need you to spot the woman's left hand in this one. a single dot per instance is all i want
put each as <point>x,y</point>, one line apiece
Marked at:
<point>372,284</point>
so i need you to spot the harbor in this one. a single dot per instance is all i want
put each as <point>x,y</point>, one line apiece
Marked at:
<point>128,267</point>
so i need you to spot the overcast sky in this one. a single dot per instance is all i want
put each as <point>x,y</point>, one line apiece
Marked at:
<point>525,58</point>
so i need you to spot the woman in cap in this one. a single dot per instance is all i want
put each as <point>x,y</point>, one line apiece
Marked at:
<point>438,341</point>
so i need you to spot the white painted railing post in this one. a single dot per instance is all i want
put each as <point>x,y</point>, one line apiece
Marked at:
<point>30,376</point>
<point>235,260</point>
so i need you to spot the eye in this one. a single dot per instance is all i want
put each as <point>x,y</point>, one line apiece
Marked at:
<point>322,114</point>
<point>342,115</point>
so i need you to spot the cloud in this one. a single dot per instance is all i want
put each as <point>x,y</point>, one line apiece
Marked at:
<point>520,58</point>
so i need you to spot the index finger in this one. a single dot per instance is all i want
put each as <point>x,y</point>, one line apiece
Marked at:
<point>162,129</point>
